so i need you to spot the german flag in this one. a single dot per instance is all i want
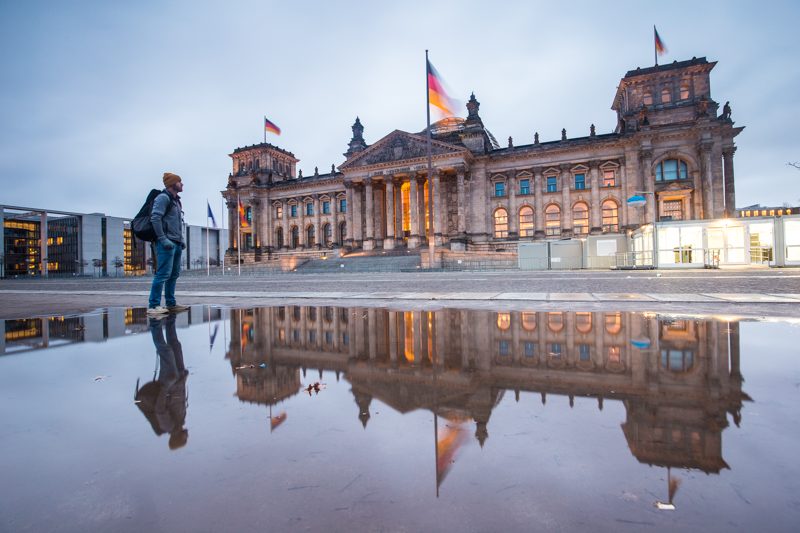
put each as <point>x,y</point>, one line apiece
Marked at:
<point>437,96</point>
<point>271,127</point>
<point>661,49</point>
<point>243,223</point>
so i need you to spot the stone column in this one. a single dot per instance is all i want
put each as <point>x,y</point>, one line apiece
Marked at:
<point>349,219</point>
<point>255,223</point>
<point>462,205</point>
<point>730,191</point>
<point>648,182</point>
<point>232,224</point>
<point>423,230</point>
<point>268,239</point>
<point>438,211</point>
<point>538,201</point>
<point>369,240</point>
<point>285,224</point>
<point>317,222</point>
<point>566,208</point>
<point>513,219</point>
<point>624,210</point>
<point>413,213</point>
<point>709,200</point>
<point>594,176</point>
<point>358,215</point>
<point>372,333</point>
<point>391,219</point>
<point>393,338</point>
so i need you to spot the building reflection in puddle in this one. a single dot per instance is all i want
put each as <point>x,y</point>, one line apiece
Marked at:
<point>678,379</point>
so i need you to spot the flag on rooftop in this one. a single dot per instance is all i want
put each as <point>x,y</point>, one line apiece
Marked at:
<point>437,95</point>
<point>271,127</point>
<point>661,48</point>
<point>211,215</point>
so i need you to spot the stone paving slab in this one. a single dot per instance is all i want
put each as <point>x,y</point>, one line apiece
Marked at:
<point>571,297</point>
<point>753,298</point>
<point>688,298</point>
<point>532,296</point>
<point>788,295</point>
<point>473,296</point>
<point>622,297</point>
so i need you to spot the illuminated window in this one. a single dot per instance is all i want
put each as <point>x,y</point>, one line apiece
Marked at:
<point>503,321</point>
<point>526,222</point>
<point>609,178</point>
<point>583,322</point>
<point>666,96</point>
<point>555,322</point>
<point>279,211</point>
<point>552,220</point>
<point>528,321</point>
<point>613,322</point>
<point>614,354</point>
<point>610,217</point>
<point>501,224</point>
<point>684,92</point>
<point>648,98</point>
<point>672,210</point>
<point>580,218</point>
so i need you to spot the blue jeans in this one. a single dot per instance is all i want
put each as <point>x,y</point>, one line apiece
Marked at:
<point>169,268</point>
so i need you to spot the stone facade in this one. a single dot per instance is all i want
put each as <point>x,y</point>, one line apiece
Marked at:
<point>670,146</point>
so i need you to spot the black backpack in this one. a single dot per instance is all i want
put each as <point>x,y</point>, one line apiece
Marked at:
<point>141,225</point>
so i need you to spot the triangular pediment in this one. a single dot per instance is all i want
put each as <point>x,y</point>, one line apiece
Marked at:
<point>400,146</point>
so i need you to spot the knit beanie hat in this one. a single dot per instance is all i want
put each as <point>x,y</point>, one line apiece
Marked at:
<point>170,179</point>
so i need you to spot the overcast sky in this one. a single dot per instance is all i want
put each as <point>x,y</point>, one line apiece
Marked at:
<point>98,99</point>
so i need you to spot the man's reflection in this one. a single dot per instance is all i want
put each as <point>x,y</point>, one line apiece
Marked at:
<point>163,401</point>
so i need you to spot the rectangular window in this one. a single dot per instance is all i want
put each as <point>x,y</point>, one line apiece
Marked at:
<point>609,178</point>
<point>580,182</point>
<point>309,209</point>
<point>343,205</point>
<point>529,349</point>
<point>504,348</point>
<point>499,189</point>
<point>248,215</point>
<point>552,184</point>
<point>524,186</point>
<point>293,210</point>
<point>585,352</point>
<point>672,210</point>
<point>279,212</point>
<point>326,208</point>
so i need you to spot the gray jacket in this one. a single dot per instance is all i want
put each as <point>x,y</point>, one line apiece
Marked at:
<point>167,221</point>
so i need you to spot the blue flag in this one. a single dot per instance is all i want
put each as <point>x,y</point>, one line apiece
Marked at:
<point>211,215</point>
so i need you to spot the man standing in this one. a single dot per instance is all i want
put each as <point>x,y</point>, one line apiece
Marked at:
<point>167,219</point>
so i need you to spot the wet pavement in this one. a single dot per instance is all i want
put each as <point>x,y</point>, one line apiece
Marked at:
<point>326,418</point>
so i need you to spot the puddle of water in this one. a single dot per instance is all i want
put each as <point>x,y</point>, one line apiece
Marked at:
<point>374,419</point>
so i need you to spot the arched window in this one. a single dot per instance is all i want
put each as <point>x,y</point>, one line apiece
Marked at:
<point>671,170</point>
<point>613,322</point>
<point>529,321</point>
<point>555,321</point>
<point>552,220</point>
<point>327,234</point>
<point>583,322</point>
<point>279,237</point>
<point>503,321</point>
<point>295,236</point>
<point>610,213</point>
<point>526,221</point>
<point>580,218</point>
<point>666,96</point>
<point>501,224</point>
<point>311,236</point>
<point>342,232</point>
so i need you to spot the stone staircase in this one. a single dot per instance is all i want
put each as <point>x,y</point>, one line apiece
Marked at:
<point>380,262</point>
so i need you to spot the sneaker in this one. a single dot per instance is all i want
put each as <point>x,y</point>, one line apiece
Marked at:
<point>157,311</point>
<point>177,308</point>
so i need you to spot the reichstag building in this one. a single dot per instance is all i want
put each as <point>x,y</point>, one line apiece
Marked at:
<point>673,146</point>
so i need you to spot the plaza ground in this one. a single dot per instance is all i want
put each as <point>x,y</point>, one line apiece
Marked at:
<point>738,292</point>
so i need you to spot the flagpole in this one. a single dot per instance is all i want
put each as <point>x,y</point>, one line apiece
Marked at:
<point>264,125</point>
<point>208,248</point>
<point>219,237</point>
<point>238,234</point>
<point>430,164</point>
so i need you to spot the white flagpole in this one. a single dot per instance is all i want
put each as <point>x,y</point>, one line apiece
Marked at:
<point>430,167</point>
<point>208,249</point>
<point>219,236</point>
<point>238,235</point>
